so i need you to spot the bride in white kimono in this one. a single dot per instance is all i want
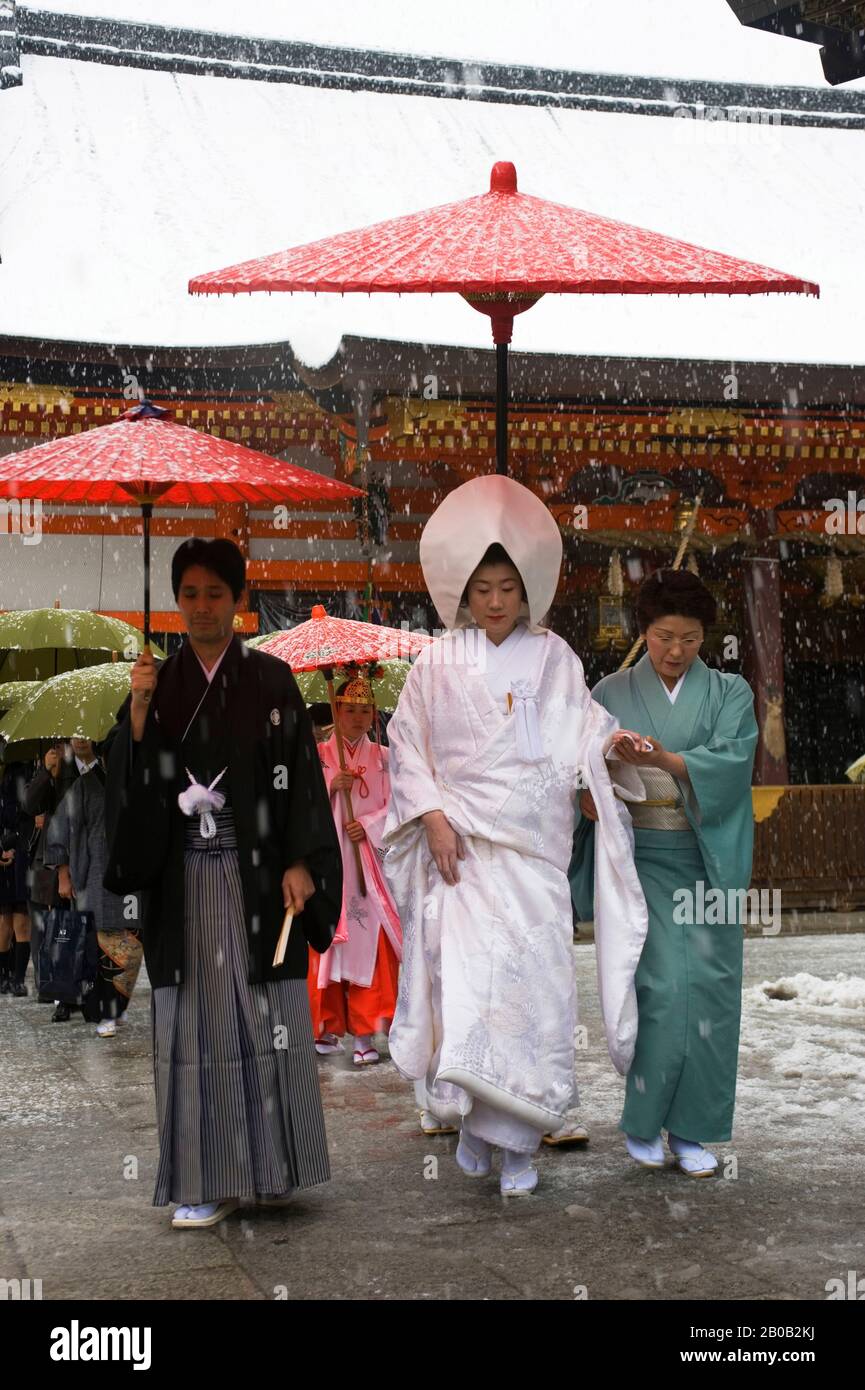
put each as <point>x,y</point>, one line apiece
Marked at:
<point>494,733</point>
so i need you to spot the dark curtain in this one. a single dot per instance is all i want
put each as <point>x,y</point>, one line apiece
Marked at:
<point>824,718</point>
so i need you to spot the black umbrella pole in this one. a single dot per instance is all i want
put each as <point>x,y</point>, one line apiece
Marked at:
<point>502,408</point>
<point>147,512</point>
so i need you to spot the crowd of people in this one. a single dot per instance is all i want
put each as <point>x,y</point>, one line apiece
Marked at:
<point>54,843</point>
<point>300,880</point>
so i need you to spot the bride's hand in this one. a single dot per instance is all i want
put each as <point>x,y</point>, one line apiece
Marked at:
<point>445,845</point>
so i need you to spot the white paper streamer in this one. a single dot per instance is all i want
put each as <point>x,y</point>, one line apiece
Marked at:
<point>203,800</point>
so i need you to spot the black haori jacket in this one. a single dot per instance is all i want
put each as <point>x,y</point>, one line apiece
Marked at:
<point>253,721</point>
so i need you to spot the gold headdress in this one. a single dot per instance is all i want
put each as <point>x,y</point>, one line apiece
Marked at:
<point>357,691</point>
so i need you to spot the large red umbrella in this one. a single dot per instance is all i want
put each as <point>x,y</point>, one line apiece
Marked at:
<point>145,457</point>
<point>323,643</point>
<point>501,251</point>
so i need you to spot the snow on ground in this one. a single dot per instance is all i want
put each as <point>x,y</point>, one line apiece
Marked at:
<point>801,1060</point>
<point>783,1219</point>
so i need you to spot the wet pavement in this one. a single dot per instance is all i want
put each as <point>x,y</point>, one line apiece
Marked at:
<point>78,1157</point>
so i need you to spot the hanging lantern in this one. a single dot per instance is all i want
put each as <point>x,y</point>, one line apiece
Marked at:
<point>372,513</point>
<point>615,579</point>
<point>833,584</point>
<point>684,512</point>
<point>613,624</point>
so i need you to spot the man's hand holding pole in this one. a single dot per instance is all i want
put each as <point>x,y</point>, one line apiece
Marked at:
<point>143,684</point>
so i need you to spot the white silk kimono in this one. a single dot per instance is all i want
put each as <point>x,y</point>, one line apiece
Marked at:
<point>487,999</point>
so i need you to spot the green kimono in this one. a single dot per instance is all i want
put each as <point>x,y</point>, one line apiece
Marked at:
<point>689,978</point>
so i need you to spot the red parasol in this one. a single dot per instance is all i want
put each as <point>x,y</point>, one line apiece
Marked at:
<point>323,643</point>
<point>502,251</point>
<point>146,458</point>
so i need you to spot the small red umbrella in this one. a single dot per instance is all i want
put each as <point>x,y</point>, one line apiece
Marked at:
<point>501,251</point>
<point>146,458</point>
<point>323,643</point>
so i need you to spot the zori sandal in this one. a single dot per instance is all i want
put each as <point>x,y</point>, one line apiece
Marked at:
<point>431,1124</point>
<point>210,1214</point>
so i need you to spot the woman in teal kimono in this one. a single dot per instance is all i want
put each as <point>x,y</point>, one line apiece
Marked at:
<point>693,833</point>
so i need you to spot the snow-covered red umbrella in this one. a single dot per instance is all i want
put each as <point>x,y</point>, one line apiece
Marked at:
<point>501,251</point>
<point>323,644</point>
<point>145,457</point>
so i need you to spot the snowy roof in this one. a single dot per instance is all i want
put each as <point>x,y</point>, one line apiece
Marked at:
<point>120,184</point>
<point>653,38</point>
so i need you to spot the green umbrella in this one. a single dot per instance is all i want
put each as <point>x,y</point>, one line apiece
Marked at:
<point>36,643</point>
<point>76,704</point>
<point>13,692</point>
<point>313,686</point>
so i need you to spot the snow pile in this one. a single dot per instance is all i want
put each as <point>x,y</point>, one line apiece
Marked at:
<point>818,1059</point>
<point>843,991</point>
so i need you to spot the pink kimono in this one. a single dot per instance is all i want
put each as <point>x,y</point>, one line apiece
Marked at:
<point>352,957</point>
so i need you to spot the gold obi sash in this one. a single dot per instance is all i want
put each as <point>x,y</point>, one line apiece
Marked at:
<point>663,808</point>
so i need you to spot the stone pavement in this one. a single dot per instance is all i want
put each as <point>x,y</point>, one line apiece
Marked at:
<point>398,1220</point>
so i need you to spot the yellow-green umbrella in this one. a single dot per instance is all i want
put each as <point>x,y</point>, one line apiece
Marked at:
<point>856,771</point>
<point>76,704</point>
<point>13,692</point>
<point>36,643</point>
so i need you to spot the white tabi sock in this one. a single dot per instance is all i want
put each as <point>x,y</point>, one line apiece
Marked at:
<point>648,1152</point>
<point>474,1156</point>
<point>519,1174</point>
<point>694,1157</point>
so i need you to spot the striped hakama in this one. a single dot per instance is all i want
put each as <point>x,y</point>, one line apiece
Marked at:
<point>237,1094</point>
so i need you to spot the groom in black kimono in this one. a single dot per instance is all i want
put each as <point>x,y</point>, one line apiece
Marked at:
<point>238,1102</point>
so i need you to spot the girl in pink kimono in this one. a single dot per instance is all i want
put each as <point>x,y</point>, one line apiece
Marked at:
<point>353,986</point>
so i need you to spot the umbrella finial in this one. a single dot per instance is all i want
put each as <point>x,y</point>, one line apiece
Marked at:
<point>145,410</point>
<point>503,178</point>
<point>319,611</point>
